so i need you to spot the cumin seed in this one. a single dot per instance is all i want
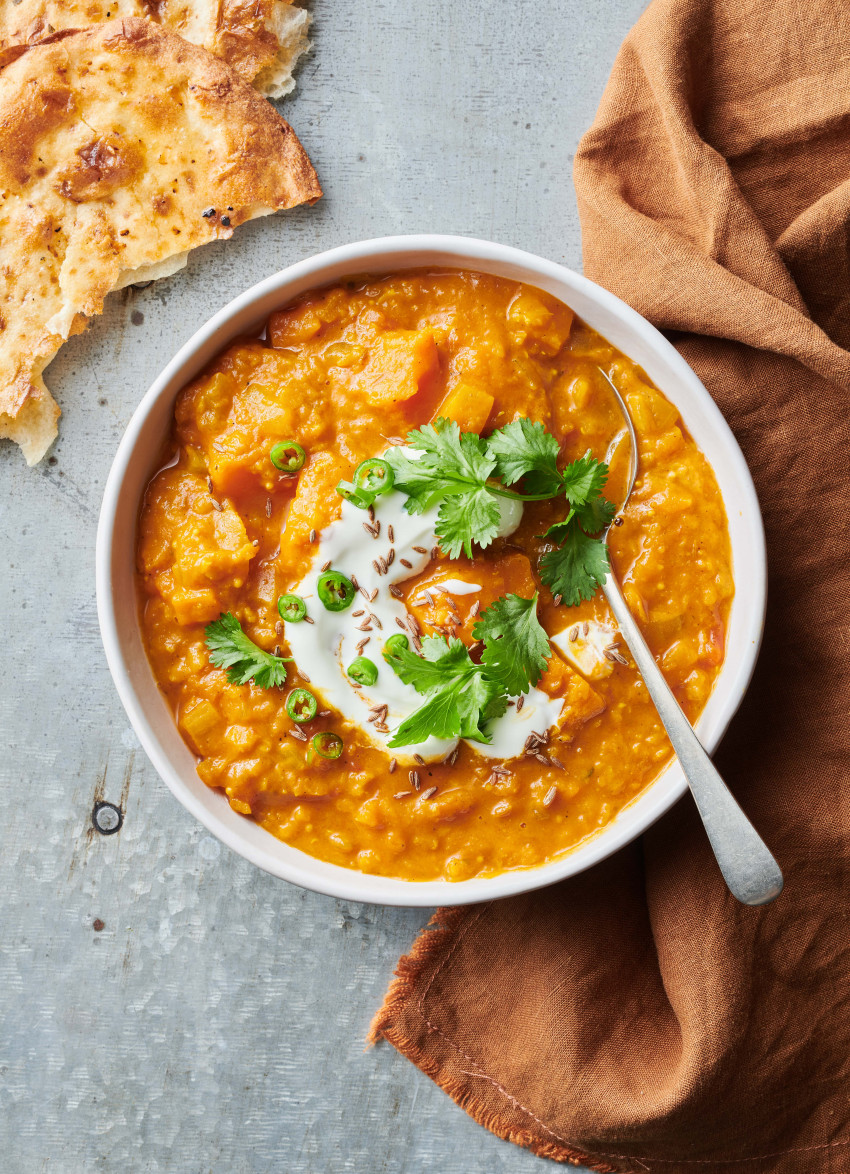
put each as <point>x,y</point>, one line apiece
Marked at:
<point>406,563</point>
<point>393,765</point>
<point>325,566</point>
<point>363,644</point>
<point>397,440</point>
<point>452,758</point>
<point>217,504</point>
<point>391,532</point>
<point>435,552</point>
<point>383,727</point>
<point>413,775</point>
<point>324,713</point>
<point>374,595</point>
<point>371,513</point>
<point>354,583</point>
<point>309,620</point>
<point>364,627</point>
<point>356,614</point>
<point>377,566</point>
<point>573,634</point>
<point>364,593</point>
<point>303,676</point>
<point>391,556</point>
<point>396,591</point>
<point>402,794</point>
<point>413,625</point>
<point>401,624</point>
<point>421,549</point>
<point>491,779</point>
<point>296,733</point>
<point>542,758</point>
<point>550,796</point>
<point>384,567</point>
<point>429,597</point>
<point>370,529</point>
<point>268,507</point>
<point>585,628</point>
<point>377,622</point>
<point>418,758</point>
<point>209,484</point>
<point>520,702</point>
<point>557,600</point>
<point>278,628</point>
<point>417,643</point>
<point>475,609</point>
<point>431,791</point>
<point>556,762</point>
<point>312,536</point>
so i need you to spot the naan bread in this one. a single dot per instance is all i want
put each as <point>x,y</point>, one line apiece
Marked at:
<point>122,147</point>
<point>261,39</point>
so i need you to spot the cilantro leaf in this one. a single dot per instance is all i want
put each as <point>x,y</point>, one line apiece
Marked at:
<point>452,463</point>
<point>458,697</point>
<point>462,520</point>
<point>516,645</point>
<point>524,448</point>
<point>584,480</point>
<point>595,515</point>
<point>575,569</point>
<point>244,660</point>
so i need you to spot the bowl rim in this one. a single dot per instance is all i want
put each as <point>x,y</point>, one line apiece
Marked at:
<point>291,864</point>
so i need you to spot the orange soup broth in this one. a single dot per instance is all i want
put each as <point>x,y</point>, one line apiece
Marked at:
<point>342,371</point>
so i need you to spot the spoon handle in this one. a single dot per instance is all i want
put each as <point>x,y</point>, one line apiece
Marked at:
<point>749,869</point>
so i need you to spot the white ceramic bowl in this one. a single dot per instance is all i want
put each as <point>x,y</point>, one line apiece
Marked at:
<point>116,540</point>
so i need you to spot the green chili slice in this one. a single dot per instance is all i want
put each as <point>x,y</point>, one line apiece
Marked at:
<point>394,645</point>
<point>363,670</point>
<point>301,705</point>
<point>374,476</point>
<point>291,608</point>
<point>327,745</point>
<point>335,591</point>
<point>287,456</point>
<point>362,498</point>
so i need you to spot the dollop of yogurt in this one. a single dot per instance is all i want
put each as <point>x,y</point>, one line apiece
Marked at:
<point>325,648</point>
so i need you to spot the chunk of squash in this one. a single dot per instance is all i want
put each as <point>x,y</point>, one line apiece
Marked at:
<point>468,406</point>
<point>400,363</point>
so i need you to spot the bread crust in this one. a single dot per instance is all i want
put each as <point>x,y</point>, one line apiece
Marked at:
<point>122,147</point>
<point>261,39</point>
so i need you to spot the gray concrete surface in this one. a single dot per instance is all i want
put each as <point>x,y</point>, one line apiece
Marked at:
<point>216,1021</point>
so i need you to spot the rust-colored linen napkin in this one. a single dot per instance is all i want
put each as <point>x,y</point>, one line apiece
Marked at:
<point>636,1018</point>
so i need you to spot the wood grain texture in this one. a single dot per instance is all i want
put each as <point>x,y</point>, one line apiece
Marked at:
<point>217,1020</point>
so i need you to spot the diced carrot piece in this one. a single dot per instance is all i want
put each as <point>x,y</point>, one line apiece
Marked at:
<point>468,406</point>
<point>400,362</point>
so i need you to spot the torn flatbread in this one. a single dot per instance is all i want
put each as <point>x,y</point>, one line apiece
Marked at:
<point>122,147</point>
<point>261,39</point>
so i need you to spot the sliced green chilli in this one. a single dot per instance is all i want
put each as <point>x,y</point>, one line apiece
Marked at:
<point>362,498</point>
<point>327,745</point>
<point>291,608</point>
<point>335,591</point>
<point>374,476</point>
<point>287,456</point>
<point>301,705</point>
<point>363,670</point>
<point>395,644</point>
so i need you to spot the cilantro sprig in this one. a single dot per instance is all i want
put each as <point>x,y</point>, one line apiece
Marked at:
<point>244,660</point>
<point>466,474</point>
<point>461,697</point>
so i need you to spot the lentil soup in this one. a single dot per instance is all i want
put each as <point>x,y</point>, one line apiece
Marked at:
<point>244,509</point>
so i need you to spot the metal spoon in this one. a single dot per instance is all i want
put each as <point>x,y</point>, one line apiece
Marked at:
<point>749,869</point>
